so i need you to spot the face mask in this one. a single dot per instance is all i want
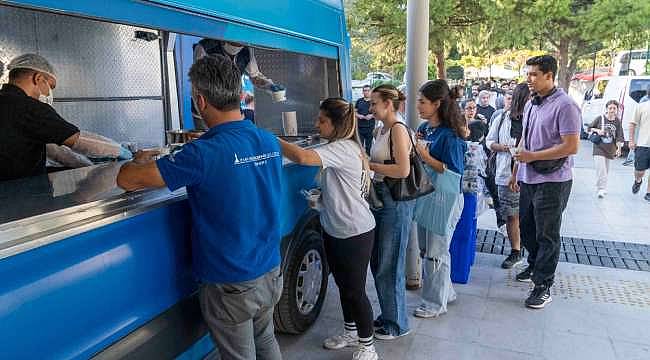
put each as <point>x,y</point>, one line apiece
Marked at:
<point>49,99</point>
<point>232,49</point>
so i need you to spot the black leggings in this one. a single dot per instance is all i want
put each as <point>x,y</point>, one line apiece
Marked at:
<point>348,260</point>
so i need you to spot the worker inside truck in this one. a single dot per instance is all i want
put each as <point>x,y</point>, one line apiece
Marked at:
<point>244,58</point>
<point>30,124</point>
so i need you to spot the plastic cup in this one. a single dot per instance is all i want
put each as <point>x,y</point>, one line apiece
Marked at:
<point>280,95</point>
<point>289,123</point>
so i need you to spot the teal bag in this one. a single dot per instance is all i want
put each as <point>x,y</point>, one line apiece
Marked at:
<point>433,211</point>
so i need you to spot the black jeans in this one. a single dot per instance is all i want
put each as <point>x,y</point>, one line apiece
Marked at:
<point>540,219</point>
<point>348,260</point>
<point>365,135</point>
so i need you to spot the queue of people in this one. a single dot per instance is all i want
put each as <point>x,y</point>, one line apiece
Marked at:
<point>240,274</point>
<point>238,294</point>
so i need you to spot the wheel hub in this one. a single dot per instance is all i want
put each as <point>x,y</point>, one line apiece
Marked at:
<point>310,278</point>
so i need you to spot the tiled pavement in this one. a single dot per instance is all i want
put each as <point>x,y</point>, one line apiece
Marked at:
<point>620,216</point>
<point>596,313</point>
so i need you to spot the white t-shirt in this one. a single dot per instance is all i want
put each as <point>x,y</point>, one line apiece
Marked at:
<point>380,150</point>
<point>344,211</point>
<point>641,119</point>
<point>504,159</point>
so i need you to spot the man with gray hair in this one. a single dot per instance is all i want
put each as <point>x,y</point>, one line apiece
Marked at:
<point>232,174</point>
<point>483,107</point>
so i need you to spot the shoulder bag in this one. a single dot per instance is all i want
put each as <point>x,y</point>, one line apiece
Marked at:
<point>594,137</point>
<point>543,167</point>
<point>417,183</point>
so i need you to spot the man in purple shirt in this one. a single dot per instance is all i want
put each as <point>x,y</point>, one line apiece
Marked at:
<point>544,174</point>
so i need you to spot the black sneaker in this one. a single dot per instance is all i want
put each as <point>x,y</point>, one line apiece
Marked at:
<point>539,297</point>
<point>377,323</point>
<point>525,275</point>
<point>647,197</point>
<point>513,259</point>
<point>636,187</point>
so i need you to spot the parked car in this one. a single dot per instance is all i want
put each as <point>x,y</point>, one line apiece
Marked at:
<point>627,90</point>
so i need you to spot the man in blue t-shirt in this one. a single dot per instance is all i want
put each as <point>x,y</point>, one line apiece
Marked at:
<point>232,176</point>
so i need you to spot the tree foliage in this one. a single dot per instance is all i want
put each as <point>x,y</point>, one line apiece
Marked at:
<point>498,31</point>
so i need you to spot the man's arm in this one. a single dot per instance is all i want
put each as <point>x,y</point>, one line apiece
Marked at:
<point>140,173</point>
<point>69,142</point>
<point>569,146</point>
<point>257,78</point>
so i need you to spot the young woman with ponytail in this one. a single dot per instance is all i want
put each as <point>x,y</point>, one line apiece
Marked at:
<point>388,262</point>
<point>443,148</point>
<point>348,225</point>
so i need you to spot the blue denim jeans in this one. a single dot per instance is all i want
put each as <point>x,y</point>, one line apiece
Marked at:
<point>388,261</point>
<point>437,289</point>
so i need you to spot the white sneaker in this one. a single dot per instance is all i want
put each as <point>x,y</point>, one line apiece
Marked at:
<point>601,194</point>
<point>365,353</point>
<point>424,312</point>
<point>340,341</point>
<point>503,230</point>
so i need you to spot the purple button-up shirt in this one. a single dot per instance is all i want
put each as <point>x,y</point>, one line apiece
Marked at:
<point>557,116</point>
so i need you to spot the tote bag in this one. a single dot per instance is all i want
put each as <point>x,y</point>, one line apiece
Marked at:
<point>433,211</point>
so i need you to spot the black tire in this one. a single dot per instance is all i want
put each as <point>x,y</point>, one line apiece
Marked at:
<point>291,315</point>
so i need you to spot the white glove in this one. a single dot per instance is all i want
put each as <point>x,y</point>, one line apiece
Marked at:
<point>66,157</point>
<point>96,146</point>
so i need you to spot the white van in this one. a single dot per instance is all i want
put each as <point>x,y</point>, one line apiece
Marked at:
<point>626,64</point>
<point>627,90</point>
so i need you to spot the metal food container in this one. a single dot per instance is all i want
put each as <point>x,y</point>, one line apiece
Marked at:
<point>182,136</point>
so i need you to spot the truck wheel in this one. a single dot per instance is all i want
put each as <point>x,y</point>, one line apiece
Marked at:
<point>305,285</point>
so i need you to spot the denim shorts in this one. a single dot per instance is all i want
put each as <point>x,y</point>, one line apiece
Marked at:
<point>509,201</point>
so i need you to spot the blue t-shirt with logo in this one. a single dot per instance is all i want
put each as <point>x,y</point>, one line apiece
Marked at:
<point>232,174</point>
<point>445,146</point>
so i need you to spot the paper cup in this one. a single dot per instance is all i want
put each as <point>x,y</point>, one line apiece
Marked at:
<point>280,95</point>
<point>289,123</point>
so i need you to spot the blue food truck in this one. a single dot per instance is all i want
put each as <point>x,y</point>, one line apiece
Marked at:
<point>89,271</point>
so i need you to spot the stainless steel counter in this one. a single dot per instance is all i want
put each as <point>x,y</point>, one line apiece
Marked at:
<point>41,210</point>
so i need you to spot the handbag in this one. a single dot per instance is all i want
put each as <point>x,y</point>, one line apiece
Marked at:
<point>594,137</point>
<point>433,211</point>
<point>543,167</point>
<point>368,189</point>
<point>417,183</point>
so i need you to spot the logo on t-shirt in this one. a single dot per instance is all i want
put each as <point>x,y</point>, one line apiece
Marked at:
<point>258,160</point>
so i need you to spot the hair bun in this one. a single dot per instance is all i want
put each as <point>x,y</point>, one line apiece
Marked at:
<point>400,96</point>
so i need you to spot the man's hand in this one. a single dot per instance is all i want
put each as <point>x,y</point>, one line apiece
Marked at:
<point>145,156</point>
<point>512,183</point>
<point>525,156</point>
<point>632,145</point>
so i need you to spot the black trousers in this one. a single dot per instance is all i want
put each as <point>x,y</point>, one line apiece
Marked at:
<point>540,219</point>
<point>365,135</point>
<point>348,260</point>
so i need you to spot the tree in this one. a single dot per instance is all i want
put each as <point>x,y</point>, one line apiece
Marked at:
<point>572,29</point>
<point>382,24</point>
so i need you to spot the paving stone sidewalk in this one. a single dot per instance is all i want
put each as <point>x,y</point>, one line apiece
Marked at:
<point>596,313</point>
<point>620,216</point>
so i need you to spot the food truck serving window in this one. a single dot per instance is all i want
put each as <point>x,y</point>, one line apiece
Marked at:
<point>130,84</point>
